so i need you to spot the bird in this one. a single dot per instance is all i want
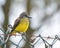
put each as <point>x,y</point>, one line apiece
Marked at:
<point>21,24</point>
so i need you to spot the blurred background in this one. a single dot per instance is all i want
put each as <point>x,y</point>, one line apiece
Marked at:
<point>45,18</point>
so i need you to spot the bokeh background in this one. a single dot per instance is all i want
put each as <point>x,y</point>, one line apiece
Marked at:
<point>44,13</point>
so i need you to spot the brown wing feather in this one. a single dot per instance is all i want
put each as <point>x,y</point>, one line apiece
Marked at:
<point>15,24</point>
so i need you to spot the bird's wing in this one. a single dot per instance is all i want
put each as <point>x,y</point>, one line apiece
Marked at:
<point>17,21</point>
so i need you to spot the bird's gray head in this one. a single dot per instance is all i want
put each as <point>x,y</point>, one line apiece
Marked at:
<point>24,14</point>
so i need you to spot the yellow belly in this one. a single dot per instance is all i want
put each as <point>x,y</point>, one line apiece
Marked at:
<point>23,26</point>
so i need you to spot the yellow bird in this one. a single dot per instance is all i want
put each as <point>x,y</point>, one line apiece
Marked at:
<point>21,24</point>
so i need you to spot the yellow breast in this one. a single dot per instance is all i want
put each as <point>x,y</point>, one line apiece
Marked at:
<point>23,25</point>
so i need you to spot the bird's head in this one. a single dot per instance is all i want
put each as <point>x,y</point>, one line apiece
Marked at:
<point>24,14</point>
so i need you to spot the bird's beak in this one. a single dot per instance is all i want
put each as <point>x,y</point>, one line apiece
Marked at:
<point>28,17</point>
